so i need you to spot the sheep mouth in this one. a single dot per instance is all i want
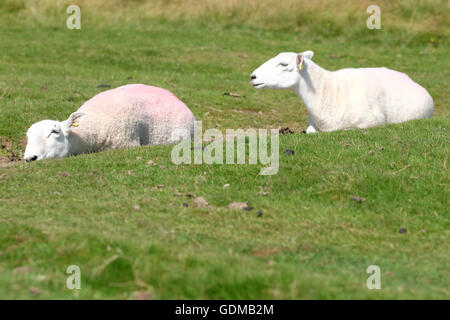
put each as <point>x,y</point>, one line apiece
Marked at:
<point>257,85</point>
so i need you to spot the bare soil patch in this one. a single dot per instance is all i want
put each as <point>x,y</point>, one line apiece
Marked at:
<point>9,155</point>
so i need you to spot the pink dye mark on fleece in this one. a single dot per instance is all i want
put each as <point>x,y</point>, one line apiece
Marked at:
<point>154,101</point>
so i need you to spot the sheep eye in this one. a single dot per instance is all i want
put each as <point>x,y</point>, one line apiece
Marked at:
<point>53,132</point>
<point>283,64</point>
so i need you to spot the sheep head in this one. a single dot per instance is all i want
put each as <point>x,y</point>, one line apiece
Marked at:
<point>50,139</point>
<point>280,72</point>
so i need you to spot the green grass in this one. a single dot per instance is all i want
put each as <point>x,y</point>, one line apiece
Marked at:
<point>312,240</point>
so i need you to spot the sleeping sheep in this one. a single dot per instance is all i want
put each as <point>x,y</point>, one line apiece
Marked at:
<point>347,98</point>
<point>131,115</point>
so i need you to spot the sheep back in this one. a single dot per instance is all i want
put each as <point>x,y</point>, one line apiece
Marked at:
<point>131,115</point>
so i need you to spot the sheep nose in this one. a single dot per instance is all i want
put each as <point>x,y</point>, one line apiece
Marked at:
<point>253,77</point>
<point>31,159</point>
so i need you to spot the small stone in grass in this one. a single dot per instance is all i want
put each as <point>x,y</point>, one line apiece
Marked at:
<point>179,194</point>
<point>237,205</point>
<point>380,148</point>
<point>289,152</point>
<point>137,207</point>
<point>150,163</point>
<point>34,291</point>
<point>259,214</point>
<point>402,230</point>
<point>201,202</point>
<point>358,199</point>
<point>371,152</point>
<point>185,205</point>
<point>226,185</point>
<point>248,208</point>
<point>138,158</point>
<point>56,193</point>
<point>141,295</point>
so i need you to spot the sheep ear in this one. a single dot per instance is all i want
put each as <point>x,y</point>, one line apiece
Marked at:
<point>73,120</point>
<point>308,54</point>
<point>301,56</point>
<point>300,61</point>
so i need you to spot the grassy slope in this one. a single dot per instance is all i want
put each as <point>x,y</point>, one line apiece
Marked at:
<point>312,240</point>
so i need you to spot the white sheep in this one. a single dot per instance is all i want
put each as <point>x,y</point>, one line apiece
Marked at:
<point>347,98</point>
<point>131,115</point>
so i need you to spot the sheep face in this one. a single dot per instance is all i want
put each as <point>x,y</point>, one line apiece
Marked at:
<point>50,139</point>
<point>280,72</point>
<point>46,139</point>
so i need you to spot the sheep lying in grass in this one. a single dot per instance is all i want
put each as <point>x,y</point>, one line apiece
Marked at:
<point>131,115</point>
<point>347,98</point>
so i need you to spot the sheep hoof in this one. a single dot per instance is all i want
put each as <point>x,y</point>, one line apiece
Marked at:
<point>310,129</point>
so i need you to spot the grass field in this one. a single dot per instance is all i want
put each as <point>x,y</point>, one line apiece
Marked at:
<point>135,230</point>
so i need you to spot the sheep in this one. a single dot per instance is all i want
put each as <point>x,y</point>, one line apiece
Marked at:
<point>127,116</point>
<point>347,98</point>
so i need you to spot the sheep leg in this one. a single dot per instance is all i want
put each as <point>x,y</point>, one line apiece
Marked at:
<point>310,128</point>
